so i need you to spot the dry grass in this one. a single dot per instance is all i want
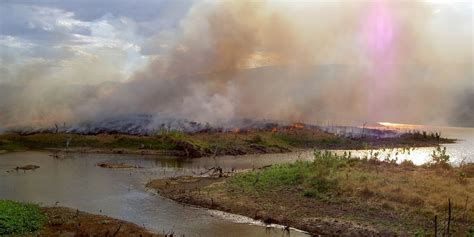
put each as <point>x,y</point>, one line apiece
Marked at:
<point>400,198</point>
<point>414,190</point>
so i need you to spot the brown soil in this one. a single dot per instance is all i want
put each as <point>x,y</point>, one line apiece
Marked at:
<point>284,208</point>
<point>68,222</point>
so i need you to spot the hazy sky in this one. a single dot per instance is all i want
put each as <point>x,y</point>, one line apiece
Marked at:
<point>53,35</point>
<point>45,45</point>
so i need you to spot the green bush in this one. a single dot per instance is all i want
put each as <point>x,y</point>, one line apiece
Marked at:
<point>325,163</point>
<point>439,157</point>
<point>20,218</point>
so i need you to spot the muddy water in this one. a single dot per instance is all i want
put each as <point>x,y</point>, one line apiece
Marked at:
<point>76,182</point>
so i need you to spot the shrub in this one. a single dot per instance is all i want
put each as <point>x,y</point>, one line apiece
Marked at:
<point>325,163</point>
<point>440,158</point>
<point>20,218</point>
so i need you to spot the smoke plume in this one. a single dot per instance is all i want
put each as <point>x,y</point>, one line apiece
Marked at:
<point>336,62</point>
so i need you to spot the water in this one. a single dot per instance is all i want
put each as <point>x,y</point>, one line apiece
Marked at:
<point>461,151</point>
<point>76,182</point>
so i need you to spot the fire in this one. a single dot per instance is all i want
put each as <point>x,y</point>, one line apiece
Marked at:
<point>388,124</point>
<point>236,130</point>
<point>397,125</point>
<point>297,125</point>
<point>274,129</point>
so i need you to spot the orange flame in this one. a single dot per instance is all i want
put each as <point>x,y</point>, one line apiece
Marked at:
<point>297,125</point>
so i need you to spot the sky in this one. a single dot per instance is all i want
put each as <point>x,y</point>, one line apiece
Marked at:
<point>125,53</point>
<point>53,35</point>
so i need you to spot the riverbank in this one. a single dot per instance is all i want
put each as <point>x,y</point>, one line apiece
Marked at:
<point>173,143</point>
<point>26,219</point>
<point>68,222</point>
<point>340,195</point>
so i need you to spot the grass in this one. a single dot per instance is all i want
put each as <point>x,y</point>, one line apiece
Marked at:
<point>208,143</point>
<point>317,178</point>
<point>16,142</point>
<point>307,139</point>
<point>18,218</point>
<point>204,143</point>
<point>413,194</point>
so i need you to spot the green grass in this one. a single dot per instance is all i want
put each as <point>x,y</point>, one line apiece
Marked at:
<point>305,140</point>
<point>20,218</point>
<point>316,178</point>
<point>16,142</point>
<point>198,144</point>
<point>11,146</point>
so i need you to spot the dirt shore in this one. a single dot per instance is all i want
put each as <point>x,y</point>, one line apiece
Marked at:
<point>68,222</point>
<point>283,208</point>
<point>373,199</point>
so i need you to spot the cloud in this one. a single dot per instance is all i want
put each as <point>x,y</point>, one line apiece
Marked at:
<point>16,43</point>
<point>67,42</point>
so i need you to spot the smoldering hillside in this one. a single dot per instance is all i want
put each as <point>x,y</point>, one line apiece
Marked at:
<point>314,63</point>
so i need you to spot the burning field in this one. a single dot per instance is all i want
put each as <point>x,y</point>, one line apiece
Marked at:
<point>191,139</point>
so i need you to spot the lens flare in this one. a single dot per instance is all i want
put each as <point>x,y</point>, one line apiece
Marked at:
<point>378,32</point>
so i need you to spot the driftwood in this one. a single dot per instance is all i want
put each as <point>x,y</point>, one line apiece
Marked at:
<point>24,168</point>
<point>117,165</point>
<point>27,167</point>
<point>216,171</point>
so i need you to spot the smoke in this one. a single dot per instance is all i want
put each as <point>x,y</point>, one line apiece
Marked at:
<point>312,62</point>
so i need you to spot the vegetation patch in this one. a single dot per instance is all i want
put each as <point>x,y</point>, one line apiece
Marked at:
<point>214,143</point>
<point>20,218</point>
<point>341,194</point>
<point>316,178</point>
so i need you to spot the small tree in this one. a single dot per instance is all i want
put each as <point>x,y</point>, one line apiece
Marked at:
<point>439,157</point>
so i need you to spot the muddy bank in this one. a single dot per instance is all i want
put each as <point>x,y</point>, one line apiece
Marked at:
<point>63,221</point>
<point>283,208</point>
